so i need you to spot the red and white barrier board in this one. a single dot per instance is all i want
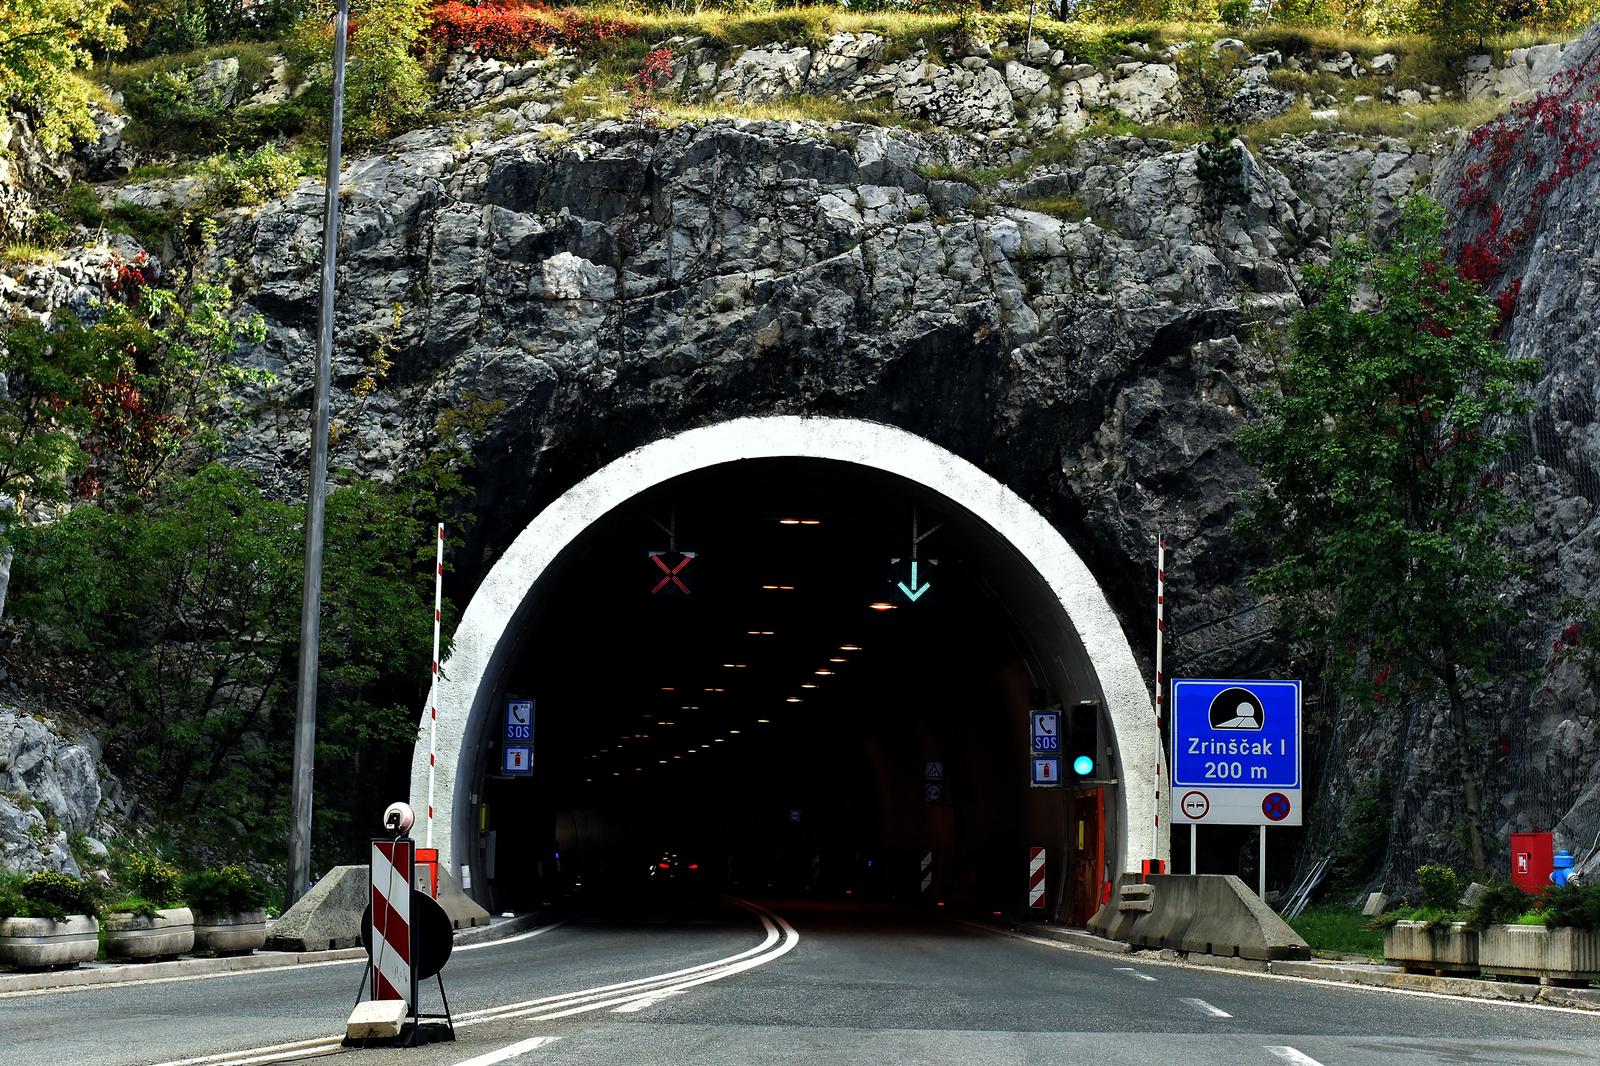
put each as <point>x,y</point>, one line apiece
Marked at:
<point>1036,878</point>
<point>392,862</point>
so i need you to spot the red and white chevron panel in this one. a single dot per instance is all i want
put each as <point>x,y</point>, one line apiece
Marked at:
<point>1036,878</point>
<point>392,862</point>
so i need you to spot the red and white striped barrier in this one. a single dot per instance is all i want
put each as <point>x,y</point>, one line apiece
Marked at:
<point>1036,878</point>
<point>392,975</point>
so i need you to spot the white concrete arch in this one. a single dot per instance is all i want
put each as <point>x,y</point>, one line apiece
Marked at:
<point>486,635</point>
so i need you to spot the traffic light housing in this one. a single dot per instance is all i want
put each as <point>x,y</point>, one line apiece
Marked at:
<point>1083,740</point>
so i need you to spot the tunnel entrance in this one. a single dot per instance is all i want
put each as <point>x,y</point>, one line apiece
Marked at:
<point>775,710</point>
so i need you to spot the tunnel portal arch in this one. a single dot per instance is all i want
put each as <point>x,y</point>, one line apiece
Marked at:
<point>1087,644</point>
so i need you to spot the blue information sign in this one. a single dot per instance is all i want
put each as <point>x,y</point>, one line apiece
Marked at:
<point>1236,752</point>
<point>519,720</point>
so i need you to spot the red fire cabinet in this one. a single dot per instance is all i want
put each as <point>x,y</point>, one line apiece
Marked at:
<point>1532,859</point>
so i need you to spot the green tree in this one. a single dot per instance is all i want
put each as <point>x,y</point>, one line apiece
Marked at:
<point>187,609</point>
<point>385,86</point>
<point>42,45</point>
<point>1383,512</point>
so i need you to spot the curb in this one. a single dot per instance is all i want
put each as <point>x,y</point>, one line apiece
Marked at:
<point>179,969</point>
<point>1333,973</point>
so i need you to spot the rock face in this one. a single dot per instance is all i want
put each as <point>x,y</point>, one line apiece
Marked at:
<point>1081,330</point>
<point>49,790</point>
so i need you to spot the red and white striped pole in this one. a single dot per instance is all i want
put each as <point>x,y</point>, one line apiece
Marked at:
<point>1036,878</point>
<point>433,690</point>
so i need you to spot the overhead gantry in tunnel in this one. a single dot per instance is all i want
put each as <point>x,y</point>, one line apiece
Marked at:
<point>773,709</point>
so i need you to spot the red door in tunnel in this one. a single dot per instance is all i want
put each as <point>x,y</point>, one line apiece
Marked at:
<point>1088,853</point>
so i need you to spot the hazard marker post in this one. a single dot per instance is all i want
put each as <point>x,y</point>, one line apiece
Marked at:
<point>408,939</point>
<point>1036,875</point>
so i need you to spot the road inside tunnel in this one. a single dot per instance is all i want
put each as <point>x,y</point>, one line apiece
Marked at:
<point>777,714</point>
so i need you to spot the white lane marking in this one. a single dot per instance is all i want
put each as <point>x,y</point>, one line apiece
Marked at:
<point>651,1000</point>
<point>1294,1055</point>
<point>510,1051</point>
<point>1304,982</point>
<point>780,939</point>
<point>1205,1008</point>
<point>1131,972</point>
<point>519,938</point>
<point>362,959</point>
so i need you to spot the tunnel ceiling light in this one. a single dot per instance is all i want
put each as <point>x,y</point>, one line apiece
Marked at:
<point>795,699</point>
<point>718,740</point>
<point>662,762</point>
<point>811,521</point>
<point>763,721</point>
<point>733,666</point>
<point>809,684</point>
<point>668,688</point>
<point>788,521</point>
<point>824,673</point>
<point>849,647</point>
<point>881,605</point>
<point>838,660</point>
<point>669,723</point>
<point>759,633</point>
<point>733,732</point>
<point>778,588</point>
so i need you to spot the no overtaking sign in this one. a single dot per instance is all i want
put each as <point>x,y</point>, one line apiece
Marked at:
<point>1236,752</point>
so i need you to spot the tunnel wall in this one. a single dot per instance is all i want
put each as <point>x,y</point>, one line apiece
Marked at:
<point>1079,632</point>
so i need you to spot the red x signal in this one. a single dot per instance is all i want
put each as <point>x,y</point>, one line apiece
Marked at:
<point>671,565</point>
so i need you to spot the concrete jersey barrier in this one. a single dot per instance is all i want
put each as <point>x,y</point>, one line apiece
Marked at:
<point>1214,914</point>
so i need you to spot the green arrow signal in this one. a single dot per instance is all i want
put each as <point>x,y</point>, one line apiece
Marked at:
<point>914,593</point>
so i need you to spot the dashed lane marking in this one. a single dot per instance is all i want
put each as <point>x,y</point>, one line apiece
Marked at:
<point>1131,972</point>
<point>1293,1055</point>
<point>1206,1008</point>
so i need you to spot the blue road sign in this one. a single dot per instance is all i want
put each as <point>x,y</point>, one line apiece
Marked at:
<point>1236,752</point>
<point>519,720</point>
<point>1046,771</point>
<point>518,759</point>
<point>1046,731</point>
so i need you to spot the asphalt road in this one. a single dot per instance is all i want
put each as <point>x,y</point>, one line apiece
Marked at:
<point>796,983</point>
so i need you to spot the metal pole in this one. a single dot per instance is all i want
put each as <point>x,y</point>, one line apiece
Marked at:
<point>1161,630</point>
<point>305,716</point>
<point>1194,848</point>
<point>433,692</point>
<point>1261,865</point>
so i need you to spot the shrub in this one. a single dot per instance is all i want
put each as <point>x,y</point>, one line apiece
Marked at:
<point>1219,168</point>
<point>1573,906</point>
<point>12,905</point>
<point>148,879</point>
<point>1440,886</point>
<point>225,890</point>
<point>385,88</point>
<point>1502,904</point>
<point>1236,13</point>
<point>510,31</point>
<point>48,894</point>
<point>245,179</point>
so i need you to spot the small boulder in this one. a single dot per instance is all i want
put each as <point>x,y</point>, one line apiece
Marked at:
<point>1377,903</point>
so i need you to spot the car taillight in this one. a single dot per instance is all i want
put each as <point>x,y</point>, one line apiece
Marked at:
<point>694,866</point>
<point>663,866</point>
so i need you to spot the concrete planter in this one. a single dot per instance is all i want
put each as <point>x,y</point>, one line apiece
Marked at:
<point>1552,955</point>
<point>230,934</point>
<point>40,943</point>
<point>131,936</point>
<point>1418,948</point>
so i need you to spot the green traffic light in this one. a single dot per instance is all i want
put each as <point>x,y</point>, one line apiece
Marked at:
<point>1083,766</point>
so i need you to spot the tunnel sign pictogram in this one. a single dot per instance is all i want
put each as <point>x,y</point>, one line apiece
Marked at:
<point>667,573</point>
<point>1236,747</point>
<point>1046,771</point>
<point>518,760</point>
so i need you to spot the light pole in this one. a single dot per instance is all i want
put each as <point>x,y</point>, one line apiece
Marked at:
<point>305,711</point>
